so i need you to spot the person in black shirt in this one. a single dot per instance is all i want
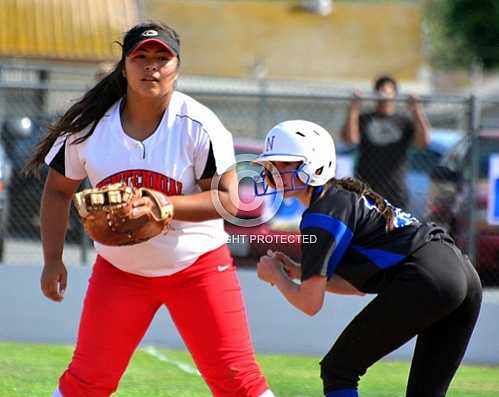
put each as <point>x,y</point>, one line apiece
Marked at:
<point>425,286</point>
<point>384,137</point>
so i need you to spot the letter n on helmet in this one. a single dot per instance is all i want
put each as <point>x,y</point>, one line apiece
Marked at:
<point>300,141</point>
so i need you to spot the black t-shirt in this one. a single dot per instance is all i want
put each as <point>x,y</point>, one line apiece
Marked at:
<point>384,142</point>
<point>346,234</point>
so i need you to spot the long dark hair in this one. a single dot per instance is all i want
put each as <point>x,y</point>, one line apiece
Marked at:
<point>362,189</point>
<point>89,110</point>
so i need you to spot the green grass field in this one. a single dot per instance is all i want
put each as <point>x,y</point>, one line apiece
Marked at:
<point>32,370</point>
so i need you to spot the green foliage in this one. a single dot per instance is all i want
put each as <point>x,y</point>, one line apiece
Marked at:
<point>477,23</point>
<point>460,31</point>
<point>444,51</point>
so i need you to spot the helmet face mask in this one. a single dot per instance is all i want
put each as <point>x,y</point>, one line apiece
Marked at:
<point>270,181</point>
<point>298,140</point>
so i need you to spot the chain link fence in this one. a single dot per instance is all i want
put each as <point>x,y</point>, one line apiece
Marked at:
<point>447,181</point>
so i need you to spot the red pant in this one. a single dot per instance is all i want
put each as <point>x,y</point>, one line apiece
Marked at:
<point>204,301</point>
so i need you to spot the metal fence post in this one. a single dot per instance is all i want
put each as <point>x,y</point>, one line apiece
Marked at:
<point>473,131</point>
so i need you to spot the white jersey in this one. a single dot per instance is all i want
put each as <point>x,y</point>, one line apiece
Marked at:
<point>189,143</point>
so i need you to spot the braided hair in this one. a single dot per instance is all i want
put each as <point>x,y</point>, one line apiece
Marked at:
<point>363,190</point>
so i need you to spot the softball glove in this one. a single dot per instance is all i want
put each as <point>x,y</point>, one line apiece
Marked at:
<point>106,214</point>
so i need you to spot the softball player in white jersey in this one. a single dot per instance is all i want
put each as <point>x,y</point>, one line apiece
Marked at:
<point>134,127</point>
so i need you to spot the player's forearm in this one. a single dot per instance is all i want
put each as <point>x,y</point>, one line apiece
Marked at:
<point>350,132</point>
<point>54,215</point>
<point>307,298</point>
<point>201,206</point>
<point>291,292</point>
<point>338,285</point>
<point>422,128</point>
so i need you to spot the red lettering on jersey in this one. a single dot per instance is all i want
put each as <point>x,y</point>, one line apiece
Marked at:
<point>145,178</point>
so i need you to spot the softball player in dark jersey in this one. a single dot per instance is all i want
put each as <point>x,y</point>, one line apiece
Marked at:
<point>425,286</point>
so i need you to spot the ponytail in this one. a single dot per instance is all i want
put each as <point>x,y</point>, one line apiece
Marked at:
<point>362,189</point>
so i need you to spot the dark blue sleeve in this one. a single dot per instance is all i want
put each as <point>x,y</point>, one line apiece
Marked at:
<point>329,234</point>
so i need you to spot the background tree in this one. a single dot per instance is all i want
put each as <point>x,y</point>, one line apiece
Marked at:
<point>462,31</point>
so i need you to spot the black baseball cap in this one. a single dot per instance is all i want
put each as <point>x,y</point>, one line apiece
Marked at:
<point>136,39</point>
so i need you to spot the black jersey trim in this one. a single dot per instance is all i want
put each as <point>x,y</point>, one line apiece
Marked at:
<point>58,162</point>
<point>210,168</point>
<point>338,230</point>
<point>316,192</point>
<point>185,116</point>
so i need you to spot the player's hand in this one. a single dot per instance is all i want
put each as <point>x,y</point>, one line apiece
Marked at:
<point>291,268</point>
<point>144,206</point>
<point>413,103</point>
<point>53,280</point>
<point>269,269</point>
<point>356,101</point>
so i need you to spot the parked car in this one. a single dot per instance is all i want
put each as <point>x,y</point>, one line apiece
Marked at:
<point>282,230</point>
<point>421,163</point>
<point>449,202</point>
<point>19,137</point>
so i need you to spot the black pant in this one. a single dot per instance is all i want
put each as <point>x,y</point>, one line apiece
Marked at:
<point>436,295</point>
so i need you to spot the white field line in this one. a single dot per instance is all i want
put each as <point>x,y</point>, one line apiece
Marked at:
<point>151,350</point>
